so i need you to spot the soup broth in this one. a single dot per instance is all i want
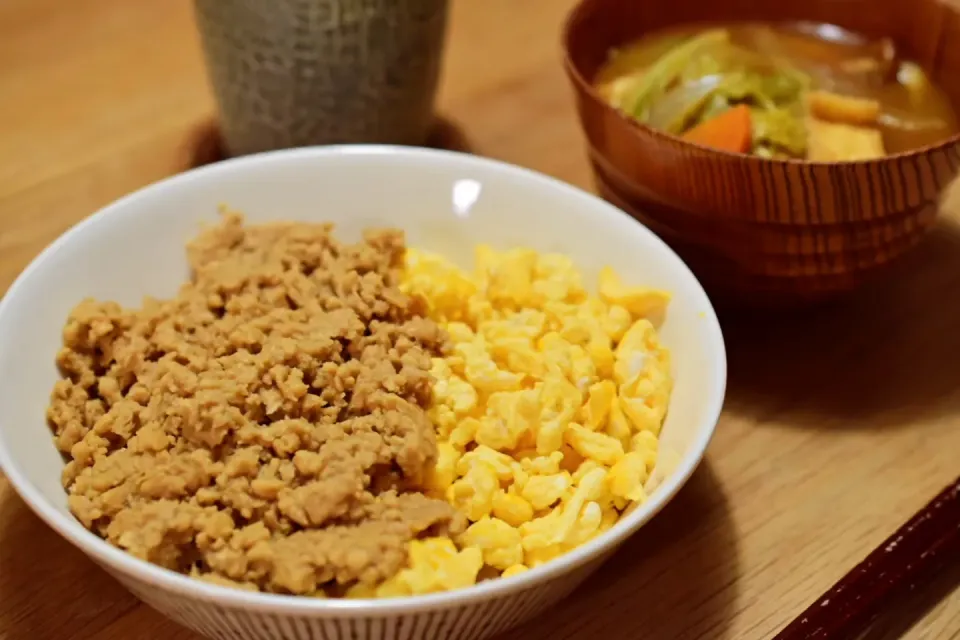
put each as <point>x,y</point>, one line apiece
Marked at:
<point>804,91</point>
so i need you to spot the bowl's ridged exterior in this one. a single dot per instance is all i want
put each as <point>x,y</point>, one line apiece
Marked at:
<point>791,231</point>
<point>474,620</point>
<point>777,230</point>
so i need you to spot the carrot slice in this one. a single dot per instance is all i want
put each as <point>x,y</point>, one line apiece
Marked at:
<point>729,131</point>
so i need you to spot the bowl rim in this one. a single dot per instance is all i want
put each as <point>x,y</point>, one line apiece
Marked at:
<point>583,7</point>
<point>121,562</point>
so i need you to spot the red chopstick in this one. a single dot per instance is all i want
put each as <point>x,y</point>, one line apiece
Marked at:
<point>908,559</point>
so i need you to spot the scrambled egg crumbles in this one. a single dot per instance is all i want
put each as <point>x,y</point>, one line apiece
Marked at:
<point>326,419</point>
<point>548,406</point>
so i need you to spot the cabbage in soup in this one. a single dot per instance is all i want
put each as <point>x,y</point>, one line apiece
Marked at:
<point>805,91</point>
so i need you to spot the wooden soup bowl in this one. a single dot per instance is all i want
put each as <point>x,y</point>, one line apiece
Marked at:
<point>767,231</point>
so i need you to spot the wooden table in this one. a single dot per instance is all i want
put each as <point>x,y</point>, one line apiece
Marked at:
<point>837,428</point>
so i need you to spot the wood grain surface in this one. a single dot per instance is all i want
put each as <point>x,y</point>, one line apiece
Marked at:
<point>840,422</point>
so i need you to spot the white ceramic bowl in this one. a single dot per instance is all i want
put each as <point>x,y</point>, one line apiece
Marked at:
<point>446,202</point>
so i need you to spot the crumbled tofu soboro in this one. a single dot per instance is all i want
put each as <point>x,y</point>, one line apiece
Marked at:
<point>266,427</point>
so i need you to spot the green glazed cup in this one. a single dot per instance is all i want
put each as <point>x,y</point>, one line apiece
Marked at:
<point>291,73</point>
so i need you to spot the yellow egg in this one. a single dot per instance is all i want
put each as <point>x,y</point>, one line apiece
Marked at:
<point>627,477</point>
<point>583,372</point>
<point>360,590</point>
<point>498,541</point>
<point>646,444</point>
<point>593,445</point>
<point>443,418</point>
<point>520,477</point>
<point>641,416</point>
<point>525,323</point>
<point>542,491</point>
<point>510,416</point>
<point>610,518</point>
<point>537,464</point>
<point>539,555</point>
<point>514,570</point>
<point>538,537</point>
<point>587,525</point>
<point>485,259</point>
<point>509,282</point>
<point>499,462</point>
<point>587,466</point>
<point>576,330</point>
<point>618,425</point>
<point>591,485</point>
<point>616,322</point>
<point>459,332</point>
<point>628,366</point>
<point>482,372</point>
<point>512,509</point>
<point>600,397</point>
<point>592,310</point>
<point>592,488</point>
<point>639,301</point>
<point>439,282</point>
<point>463,433</point>
<point>555,350</point>
<point>479,309</point>
<point>571,459</point>
<point>641,336</point>
<point>396,587</point>
<point>445,471</point>
<point>473,493</point>
<point>493,432</point>
<point>547,410</point>
<point>518,355</point>
<point>456,393</point>
<point>435,564</point>
<point>560,401</point>
<point>599,350</point>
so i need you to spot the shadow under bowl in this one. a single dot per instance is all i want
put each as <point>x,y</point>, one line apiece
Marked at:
<point>768,232</point>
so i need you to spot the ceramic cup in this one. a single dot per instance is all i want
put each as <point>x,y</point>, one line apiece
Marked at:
<point>290,73</point>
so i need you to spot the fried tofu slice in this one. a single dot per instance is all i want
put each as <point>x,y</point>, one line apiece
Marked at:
<point>834,107</point>
<point>835,142</point>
